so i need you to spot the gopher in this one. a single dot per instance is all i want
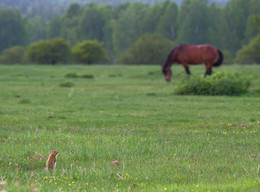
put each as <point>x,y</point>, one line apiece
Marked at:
<point>51,162</point>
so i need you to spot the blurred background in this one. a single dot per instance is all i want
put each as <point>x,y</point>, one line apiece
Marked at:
<point>126,32</point>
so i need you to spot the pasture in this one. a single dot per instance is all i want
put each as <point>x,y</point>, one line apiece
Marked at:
<point>93,115</point>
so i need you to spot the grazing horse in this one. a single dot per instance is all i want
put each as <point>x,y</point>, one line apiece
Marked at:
<point>192,54</point>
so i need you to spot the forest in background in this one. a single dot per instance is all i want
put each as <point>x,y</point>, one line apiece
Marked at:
<point>118,27</point>
<point>47,9</point>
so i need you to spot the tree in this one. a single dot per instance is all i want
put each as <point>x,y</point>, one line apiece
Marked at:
<point>250,53</point>
<point>128,28</point>
<point>148,49</point>
<point>111,44</point>
<point>254,22</point>
<point>12,31</point>
<point>192,22</point>
<point>234,23</point>
<point>73,10</point>
<point>119,9</point>
<point>52,51</point>
<point>54,28</point>
<point>167,24</point>
<point>70,24</point>
<point>13,55</point>
<point>93,20</point>
<point>151,18</point>
<point>253,28</point>
<point>215,25</point>
<point>88,52</point>
<point>70,30</point>
<point>36,29</point>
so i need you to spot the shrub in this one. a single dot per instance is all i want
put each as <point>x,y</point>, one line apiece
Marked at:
<point>13,55</point>
<point>87,76</point>
<point>220,83</point>
<point>88,52</point>
<point>66,84</point>
<point>148,49</point>
<point>25,101</point>
<point>52,51</point>
<point>71,75</point>
<point>75,75</point>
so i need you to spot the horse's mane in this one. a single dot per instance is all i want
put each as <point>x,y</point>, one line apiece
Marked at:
<point>168,58</point>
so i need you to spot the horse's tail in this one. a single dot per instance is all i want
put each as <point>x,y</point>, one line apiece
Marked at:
<point>220,59</point>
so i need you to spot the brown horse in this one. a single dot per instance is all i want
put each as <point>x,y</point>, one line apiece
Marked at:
<point>192,54</point>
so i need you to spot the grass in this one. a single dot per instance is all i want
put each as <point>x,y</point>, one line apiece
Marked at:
<point>164,142</point>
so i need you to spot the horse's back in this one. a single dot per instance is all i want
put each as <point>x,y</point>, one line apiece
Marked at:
<point>204,48</point>
<point>196,54</point>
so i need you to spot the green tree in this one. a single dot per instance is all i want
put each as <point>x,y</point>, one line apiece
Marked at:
<point>215,22</point>
<point>109,29</point>
<point>93,21</point>
<point>167,24</point>
<point>13,55</point>
<point>234,23</point>
<point>73,10</point>
<point>254,21</point>
<point>148,49</point>
<point>54,28</point>
<point>128,27</point>
<point>52,51</point>
<point>36,29</point>
<point>152,15</point>
<point>253,28</point>
<point>12,31</point>
<point>119,9</point>
<point>70,30</point>
<point>250,53</point>
<point>192,22</point>
<point>70,24</point>
<point>89,52</point>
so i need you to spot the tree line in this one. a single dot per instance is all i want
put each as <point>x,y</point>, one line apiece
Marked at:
<point>48,9</point>
<point>231,28</point>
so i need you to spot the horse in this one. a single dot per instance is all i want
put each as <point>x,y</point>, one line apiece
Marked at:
<point>192,54</point>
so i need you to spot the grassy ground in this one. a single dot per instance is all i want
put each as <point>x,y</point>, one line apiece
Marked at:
<point>128,114</point>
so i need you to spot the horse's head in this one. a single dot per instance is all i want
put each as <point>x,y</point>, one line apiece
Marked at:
<point>166,68</point>
<point>167,73</point>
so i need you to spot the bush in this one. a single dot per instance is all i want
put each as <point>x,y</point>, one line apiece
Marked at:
<point>75,75</point>
<point>52,51</point>
<point>71,75</point>
<point>148,49</point>
<point>66,84</point>
<point>221,83</point>
<point>88,52</point>
<point>87,76</point>
<point>13,55</point>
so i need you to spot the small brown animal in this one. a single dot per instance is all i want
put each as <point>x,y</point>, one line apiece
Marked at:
<point>115,163</point>
<point>51,162</point>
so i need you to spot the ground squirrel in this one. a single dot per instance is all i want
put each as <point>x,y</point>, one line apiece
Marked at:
<point>51,162</point>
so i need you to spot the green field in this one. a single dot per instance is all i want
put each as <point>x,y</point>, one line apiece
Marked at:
<point>164,142</point>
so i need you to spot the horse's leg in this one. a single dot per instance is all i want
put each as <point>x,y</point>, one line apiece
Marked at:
<point>185,65</point>
<point>208,69</point>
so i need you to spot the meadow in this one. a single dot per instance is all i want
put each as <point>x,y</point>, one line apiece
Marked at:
<point>93,115</point>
